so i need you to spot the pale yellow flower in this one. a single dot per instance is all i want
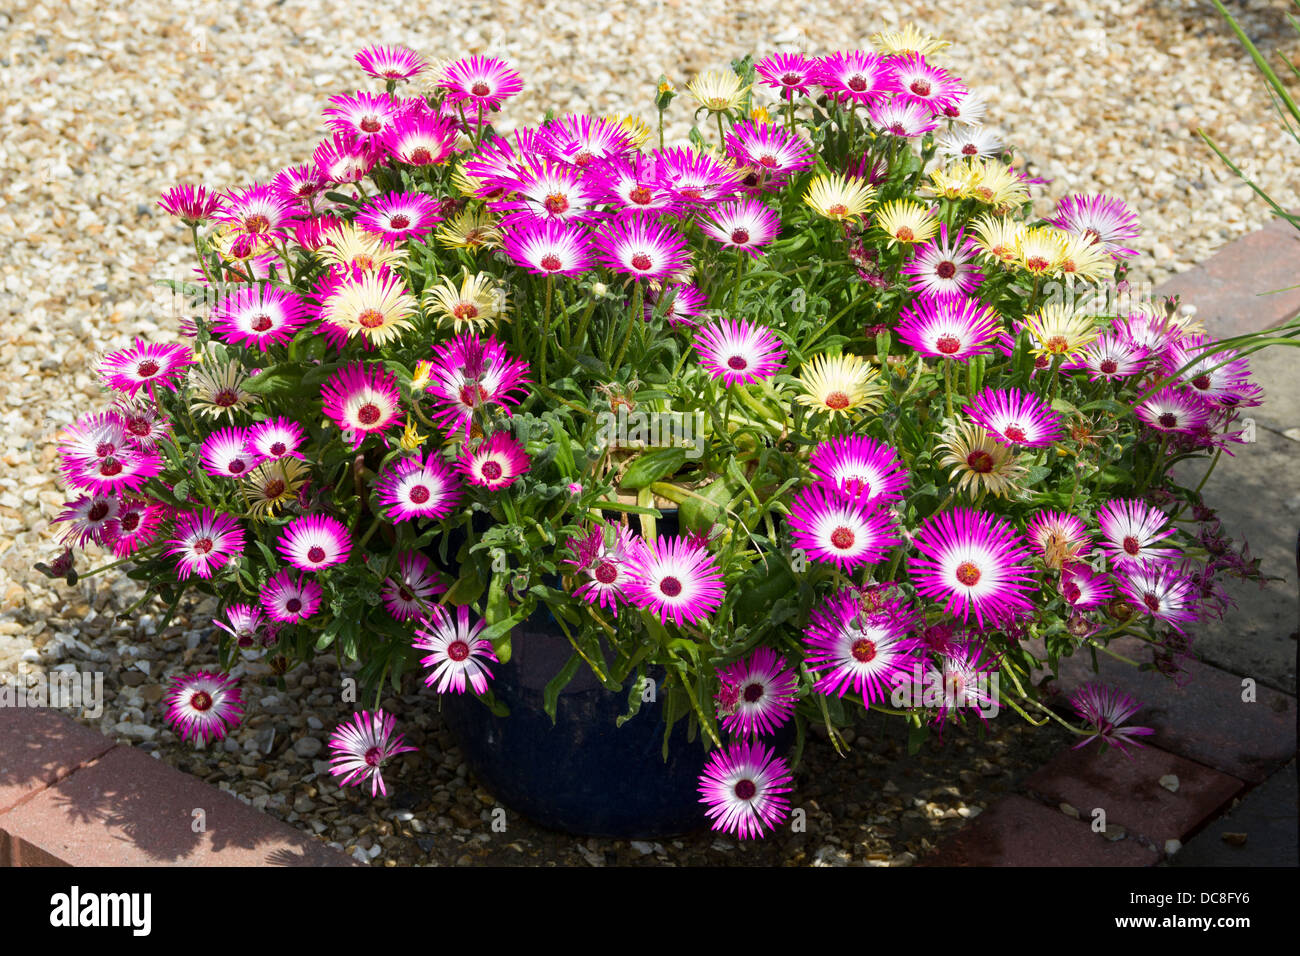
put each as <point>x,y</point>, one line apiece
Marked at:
<point>473,229</point>
<point>348,246</point>
<point>979,462</point>
<point>999,237</point>
<point>1058,329</point>
<point>219,389</point>
<point>839,384</point>
<point>993,183</point>
<point>378,308</point>
<point>411,439</point>
<point>478,302</point>
<point>1085,258</point>
<point>273,484</point>
<point>1040,250</point>
<point>907,40</point>
<point>839,197</point>
<point>717,90</point>
<point>906,221</point>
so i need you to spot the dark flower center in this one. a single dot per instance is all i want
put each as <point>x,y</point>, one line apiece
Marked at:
<point>368,413</point>
<point>607,572</point>
<point>130,521</point>
<point>1131,545</point>
<point>837,401</point>
<point>551,262</point>
<point>278,448</point>
<point>139,427</point>
<point>857,83</point>
<point>556,203</point>
<point>373,757</point>
<point>418,495</point>
<point>969,149</point>
<point>147,368</point>
<point>316,554</point>
<point>203,546</point>
<point>1108,367</point>
<point>641,196</point>
<point>863,650</point>
<point>753,692</point>
<point>948,344</point>
<point>968,574</point>
<point>1014,433</point>
<point>293,605</point>
<point>790,79</point>
<point>1168,420</point>
<point>458,650</point>
<point>201,700</point>
<point>945,270</point>
<point>225,398</point>
<point>1201,381</point>
<point>98,511</point>
<point>110,467</point>
<point>904,234</point>
<point>740,236</point>
<point>273,488</point>
<point>842,538</point>
<point>371,125</point>
<point>236,466</point>
<point>370,319</point>
<point>420,156</point>
<point>1071,591</point>
<point>641,262</point>
<point>737,363</point>
<point>1151,601</point>
<point>491,470</point>
<point>670,586</point>
<point>260,323</point>
<point>979,461</point>
<point>920,87</point>
<point>399,222</point>
<point>480,89</point>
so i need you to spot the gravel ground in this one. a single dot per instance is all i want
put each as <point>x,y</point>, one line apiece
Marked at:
<point>103,105</point>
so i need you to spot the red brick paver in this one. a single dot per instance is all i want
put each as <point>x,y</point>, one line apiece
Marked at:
<point>38,748</point>
<point>1130,792</point>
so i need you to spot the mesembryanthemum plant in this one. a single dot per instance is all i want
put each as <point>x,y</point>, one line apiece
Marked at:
<point>918,441</point>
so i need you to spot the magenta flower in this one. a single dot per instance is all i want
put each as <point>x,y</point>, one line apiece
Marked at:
<point>144,365</point>
<point>1016,417</point>
<point>494,464</point>
<point>745,224</point>
<point>1173,411</point>
<point>583,140</point>
<point>364,115</point>
<point>1218,377</point>
<point>397,217</point>
<point>923,84</point>
<point>389,62</point>
<point>300,185</point>
<point>362,400</point>
<point>605,568</point>
<point>790,73</point>
<point>1111,358</point>
<point>470,373</point>
<point>191,204</point>
<point>1106,709</point>
<point>1082,588</point>
<point>972,561</point>
<point>259,316</point>
<point>743,787</point>
<point>639,245</point>
<point>1162,590</point>
<point>548,190</point>
<point>633,184</point>
<point>242,623</point>
<point>739,353</point>
<point>1130,529</point>
<point>417,487</point>
<point>949,326</point>
<point>860,467</point>
<point>138,524</point>
<point>204,542</point>
<point>482,82</point>
<point>549,247</point>
<point>858,78</point>
<point>203,705</point>
<point>359,749</point>
<point>1100,218</point>
<point>945,265</point>
<point>90,518</point>
<point>314,542</point>
<point>769,148</point>
<point>146,424</point>
<point>227,454</point>
<point>863,648</point>
<point>685,302</point>
<point>903,119</point>
<point>345,158</point>
<point>675,578</point>
<point>765,693</point>
<point>695,178</point>
<point>92,438</point>
<point>415,139</point>
<point>291,600</point>
<point>277,437</point>
<point>408,595</point>
<point>257,212</point>
<point>838,528</point>
<point>457,652</point>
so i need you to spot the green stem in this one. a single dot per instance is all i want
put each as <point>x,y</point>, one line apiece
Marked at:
<point>736,280</point>
<point>546,331</point>
<point>632,321</point>
<point>947,385</point>
<point>1155,465</point>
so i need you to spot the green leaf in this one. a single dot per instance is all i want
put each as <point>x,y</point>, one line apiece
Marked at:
<point>917,734</point>
<point>551,694</point>
<point>653,466</point>
<point>272,380</point>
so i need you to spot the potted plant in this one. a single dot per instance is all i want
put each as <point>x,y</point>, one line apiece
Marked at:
<point>447,387</point>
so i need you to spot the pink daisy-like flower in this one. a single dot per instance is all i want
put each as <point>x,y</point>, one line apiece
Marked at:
<point>359,749</point>
<point>865,649</point>
<point>790,73</point>
<point>470,373</point>
<point>242,623</point>
<point>277,437</point>
<point>415,139</point>
<point>457,654</point>
<point>301,185</point>
<point>138,524</point>
<point>291,600</point>
<point>364,115</point>
<point>408,594</point>
<point>1162,590</point>
<point>857,77</point>
<point>362,400</point>
<point>317,232</point>
<point>861,467</point>
<point>1173,411</point>
<point>605,569</point>
<point>675,578</point>
<point>1061,539</point>
<point>389,62</point>
<point>685,302</point>
<point>1107,709</point>
<point>1083,588</point>
<point>191,204</point>
<point>1111,358</point>
<point>396,217</point>
<point>924,84</point>
<point>972,561</point>
<point>90,518</point>
<point>495,463</point>
<point>481,81</point>
<point>585,140</point>
<point>962,142</point>
<point>746,224</point>
<point>260,316</point>
<point>1016,417</point>
<point>259,211</point>
<point>204,542</point>
<point>633,184</point>
<point>967,108</point>
<point>548,190</point>
<point>1219,377</point>
<point>203,705</point>
<point>949,326</point>
<point>94,437</point>
<point>696,178</point>
<point>739,353</point>
<point>837,528</point>
<point>962,673</point>
<point>765,693</point>
<point>227,454</point>
<point>768,147</point>
<point>549,247</point>
<point>345,158</point>
<point>146,424</point>
<point>1102,219</point>
<point>314,542</point>
<point>1130,528</point>
<point>417,487</point>
<point>902,118</point>
<point>743,787</point>
<point>639,245</point>
<point>144,365</point>
<point>942,265</point>
<point>125,470</point>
